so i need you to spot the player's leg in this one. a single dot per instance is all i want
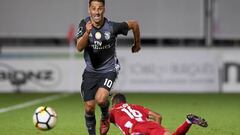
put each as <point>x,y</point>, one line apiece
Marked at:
<point>191,119</point>
<point>105,85</point>
<point>102,101</point>
<point>183,128</point>
<point>88,91</point>
<point>90,117</point>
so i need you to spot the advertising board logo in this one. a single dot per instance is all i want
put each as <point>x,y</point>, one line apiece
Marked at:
<point>46,76</point>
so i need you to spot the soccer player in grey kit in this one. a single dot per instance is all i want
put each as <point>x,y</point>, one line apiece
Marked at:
<point>97,37</point>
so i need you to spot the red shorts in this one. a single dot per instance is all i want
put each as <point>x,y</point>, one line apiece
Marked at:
<point>148,128</point>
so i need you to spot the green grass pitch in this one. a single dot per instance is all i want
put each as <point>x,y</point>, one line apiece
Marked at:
<point>222,111</point>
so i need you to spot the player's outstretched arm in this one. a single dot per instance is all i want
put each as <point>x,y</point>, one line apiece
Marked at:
<point>83,41</point>
<point>134,26</point>
<point>155,116</point>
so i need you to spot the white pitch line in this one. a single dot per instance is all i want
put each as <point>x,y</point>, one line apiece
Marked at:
<point>32,102</point>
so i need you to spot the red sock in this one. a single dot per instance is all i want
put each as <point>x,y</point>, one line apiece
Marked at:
<point>182,129</point>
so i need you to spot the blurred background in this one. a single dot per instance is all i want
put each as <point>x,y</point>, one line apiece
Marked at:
<point>188,45</point>
<point>189,62</point>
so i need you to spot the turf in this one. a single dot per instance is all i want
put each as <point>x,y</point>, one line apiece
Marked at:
<point>222,111</point>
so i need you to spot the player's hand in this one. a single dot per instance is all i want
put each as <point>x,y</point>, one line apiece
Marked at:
<point>136,48</point>
<point>89,26</point>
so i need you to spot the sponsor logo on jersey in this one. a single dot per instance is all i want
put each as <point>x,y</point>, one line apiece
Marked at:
<point>98,43</point>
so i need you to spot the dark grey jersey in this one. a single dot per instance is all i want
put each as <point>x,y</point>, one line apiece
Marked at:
<point>100,53</point>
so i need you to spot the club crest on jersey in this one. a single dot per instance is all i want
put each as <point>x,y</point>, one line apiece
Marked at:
<point>98,35</point>
<point>107,35</point>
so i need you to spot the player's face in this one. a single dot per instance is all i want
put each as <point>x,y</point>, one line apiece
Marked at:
<point>96,12</point>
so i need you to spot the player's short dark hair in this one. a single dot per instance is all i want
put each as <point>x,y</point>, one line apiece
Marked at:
<point>118,98</point>
<point>103,1</point>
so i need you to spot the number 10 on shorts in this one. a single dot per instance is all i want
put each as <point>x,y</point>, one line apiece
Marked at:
<point>108,83</point>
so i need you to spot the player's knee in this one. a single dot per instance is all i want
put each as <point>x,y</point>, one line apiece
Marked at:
<point>101,102</point>
<point>89,108</point>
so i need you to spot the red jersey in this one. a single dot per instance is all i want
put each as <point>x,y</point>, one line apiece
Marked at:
<point>126,115</point>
